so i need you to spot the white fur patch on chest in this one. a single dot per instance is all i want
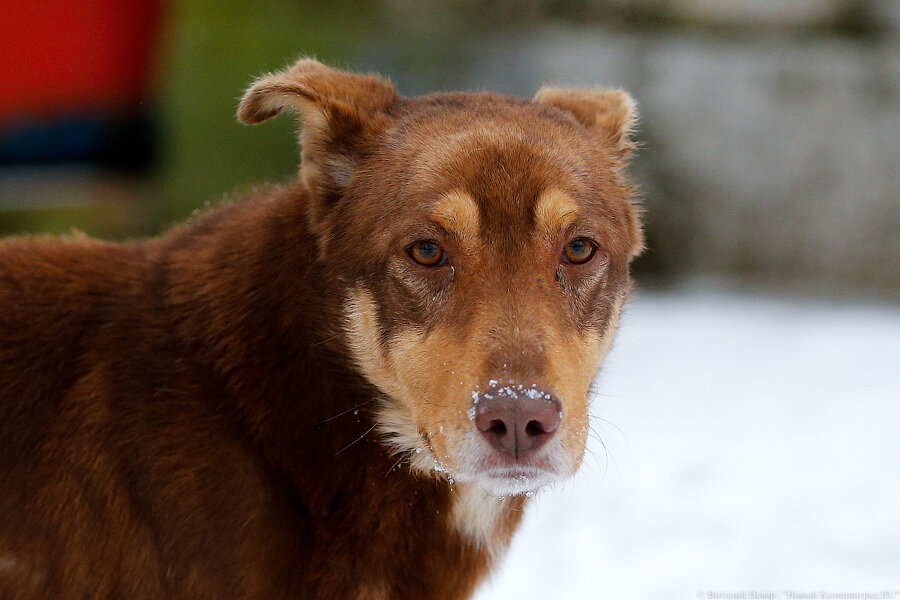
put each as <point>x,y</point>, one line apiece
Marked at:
<point>478,517</point>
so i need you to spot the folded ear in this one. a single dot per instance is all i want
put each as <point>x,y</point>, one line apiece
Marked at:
<point>341,113</point>
<point>612,114</point>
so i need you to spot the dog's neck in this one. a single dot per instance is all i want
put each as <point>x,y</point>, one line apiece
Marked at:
<point>259,308</point>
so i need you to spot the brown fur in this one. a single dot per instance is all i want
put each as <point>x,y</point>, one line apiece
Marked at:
<point>253,405</point>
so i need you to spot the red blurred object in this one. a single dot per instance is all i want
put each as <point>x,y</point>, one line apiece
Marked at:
<point>64,56</point>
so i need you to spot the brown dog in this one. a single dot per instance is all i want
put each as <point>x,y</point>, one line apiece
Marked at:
<point>339,388</point>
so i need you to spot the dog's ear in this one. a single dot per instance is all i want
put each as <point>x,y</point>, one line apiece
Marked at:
<point>341,113</point>
<point>612,114</point>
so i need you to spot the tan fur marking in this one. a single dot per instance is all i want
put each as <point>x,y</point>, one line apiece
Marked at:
<point>456,211</point>
<point>362,335</point>
<point>396,418</point>
<point>436,391</point>
<point>571,371</point>
<point>554,212</point>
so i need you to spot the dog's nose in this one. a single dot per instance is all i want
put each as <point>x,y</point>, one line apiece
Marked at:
<point>517,421</point>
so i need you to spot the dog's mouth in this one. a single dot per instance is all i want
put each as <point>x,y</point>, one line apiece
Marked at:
<point>495,462</point>
<point>501,475</point>
<point>513,481</point>
<point>497,474</point>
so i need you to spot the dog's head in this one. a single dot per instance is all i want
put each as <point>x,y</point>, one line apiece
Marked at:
<point>484,244</point>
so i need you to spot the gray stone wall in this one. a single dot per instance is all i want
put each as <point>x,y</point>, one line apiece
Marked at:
<point>771,129</point>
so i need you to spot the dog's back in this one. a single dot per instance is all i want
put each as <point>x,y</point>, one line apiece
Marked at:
<point>119,478</point>
<point>58,303</point>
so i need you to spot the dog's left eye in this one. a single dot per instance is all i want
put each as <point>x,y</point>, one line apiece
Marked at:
<point>579,251</point>
<point>427,253</point>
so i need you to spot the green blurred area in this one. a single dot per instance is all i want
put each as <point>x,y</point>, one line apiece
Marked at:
<point>212,51</point>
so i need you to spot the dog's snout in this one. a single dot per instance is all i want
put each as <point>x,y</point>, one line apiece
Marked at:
<point>517,422</point>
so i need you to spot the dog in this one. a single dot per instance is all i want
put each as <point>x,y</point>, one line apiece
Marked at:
<point>342,387</point>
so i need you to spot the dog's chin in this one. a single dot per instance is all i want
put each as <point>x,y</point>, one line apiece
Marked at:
<point>514,481</point>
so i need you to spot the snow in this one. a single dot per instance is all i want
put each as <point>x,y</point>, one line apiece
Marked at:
<point>752,447</point>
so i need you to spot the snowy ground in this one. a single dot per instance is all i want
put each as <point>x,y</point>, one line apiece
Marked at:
<point>754,445</point>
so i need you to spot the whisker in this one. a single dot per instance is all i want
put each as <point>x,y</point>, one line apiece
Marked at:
<point>326,340</point>
<point>605,467</point>
<point>357,439</point>
<point>340,414</point>
<point>394,466</point>
<point>608,422</point>
<point>609,457</point>
<point>430,403</point>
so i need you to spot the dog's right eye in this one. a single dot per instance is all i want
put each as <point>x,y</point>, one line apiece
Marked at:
<point>427,253</point>
<point>579,251</point>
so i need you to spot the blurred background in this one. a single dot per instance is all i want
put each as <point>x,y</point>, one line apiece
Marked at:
<point>770,127</point>
<point>770,290</point>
